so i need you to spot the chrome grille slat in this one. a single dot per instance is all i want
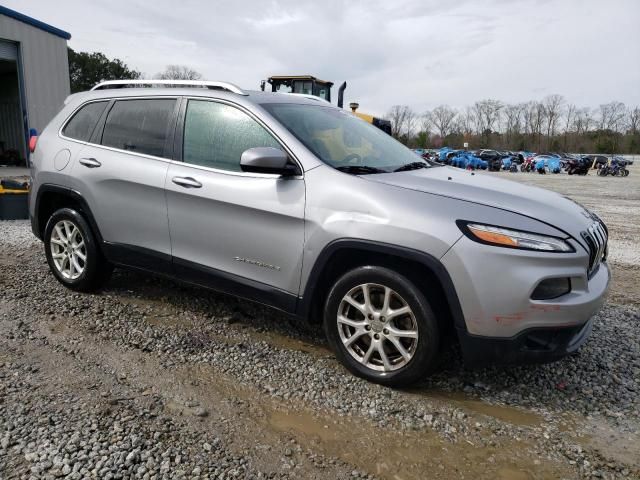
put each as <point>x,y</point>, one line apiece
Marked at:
<point>596,238</point>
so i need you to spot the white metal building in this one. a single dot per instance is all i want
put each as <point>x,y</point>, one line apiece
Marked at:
<point>34,78</point>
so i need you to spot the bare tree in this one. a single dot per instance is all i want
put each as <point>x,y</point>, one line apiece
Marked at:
<point>552,105</point>
<point>410,123</point>
<point>533,121</point>
<point>633,120</point>
<point>513,117</point>
<point>425,123</point>
<point>467,121</point>
<point>178,72</point>
<point>582,121</point>
<point>487,115</point>
<point>569,115</point>
<point>398,116</point>
<point>611,116</point>
<point>443,119</point>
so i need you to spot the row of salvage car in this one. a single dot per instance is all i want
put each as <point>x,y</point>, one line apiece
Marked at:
<point>494,160</point>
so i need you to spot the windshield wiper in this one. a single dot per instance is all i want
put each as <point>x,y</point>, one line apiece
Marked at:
<point>412,166</point>
<point>360,169</point>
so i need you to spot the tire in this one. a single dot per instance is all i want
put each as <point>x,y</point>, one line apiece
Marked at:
<point>67,237</point>
<point>372,335</point>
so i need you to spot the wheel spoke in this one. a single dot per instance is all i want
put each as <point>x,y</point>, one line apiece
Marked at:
<point>356,335</point>
<point>361,308</point>
<point>58,255</point>
<point>56,241</point>
<point>65,263</point>
<point>383,356</point>
<point>351,323</point>
<point>401,350</point>
<point>367,355</point>
<point>395,332</point>
<point>366,297</point>
<point>66,231</point>
<point>397,312</point>
<point>387,299</point>
<point>61,236</point>
<point>76,265</point>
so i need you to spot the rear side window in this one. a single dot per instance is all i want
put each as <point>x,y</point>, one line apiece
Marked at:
<point>139,126</point>
<point>215,135</point>
<point>81,125</point>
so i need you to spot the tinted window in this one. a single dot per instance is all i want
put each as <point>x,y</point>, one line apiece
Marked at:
<point>138,125</point>
<point>215,135</point>
<point>81,125</point>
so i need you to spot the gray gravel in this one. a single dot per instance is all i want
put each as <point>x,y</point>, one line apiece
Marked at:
<point>184,326</point>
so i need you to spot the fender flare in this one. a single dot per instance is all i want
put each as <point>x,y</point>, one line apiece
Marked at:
<point>75,195</point>
<point>429,261</point>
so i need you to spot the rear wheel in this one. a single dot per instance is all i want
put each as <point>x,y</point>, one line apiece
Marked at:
<point>72,252</point>
<point>381,327</point>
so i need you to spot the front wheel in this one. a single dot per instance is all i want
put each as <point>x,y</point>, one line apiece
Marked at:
<point>381,327</point>
<point>72,252</point>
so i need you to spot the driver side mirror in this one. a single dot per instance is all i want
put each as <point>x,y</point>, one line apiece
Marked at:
<point>267,160</point>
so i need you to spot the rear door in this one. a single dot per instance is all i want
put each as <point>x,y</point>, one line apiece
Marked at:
<point>238,232</point>
<point>121,173</point>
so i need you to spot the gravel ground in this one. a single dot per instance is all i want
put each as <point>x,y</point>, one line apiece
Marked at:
<point>152,379</point>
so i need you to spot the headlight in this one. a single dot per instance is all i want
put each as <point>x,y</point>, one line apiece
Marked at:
<point>504,237</point>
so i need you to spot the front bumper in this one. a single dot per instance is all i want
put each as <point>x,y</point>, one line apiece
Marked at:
<point>502,322</point>
<point>536,345</point>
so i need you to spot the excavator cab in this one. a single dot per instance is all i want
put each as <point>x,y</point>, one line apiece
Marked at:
<point>305,84</point>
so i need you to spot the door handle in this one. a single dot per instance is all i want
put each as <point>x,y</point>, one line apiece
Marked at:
<point>90,162</point>
<point>186,182</point>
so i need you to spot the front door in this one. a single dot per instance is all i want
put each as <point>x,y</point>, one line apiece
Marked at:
<point>238,232</point>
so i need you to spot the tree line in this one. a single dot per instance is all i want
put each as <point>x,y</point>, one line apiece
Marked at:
<point>88,69</point>
<point>551,124</point>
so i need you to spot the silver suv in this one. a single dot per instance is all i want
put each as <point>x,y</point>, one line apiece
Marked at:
<point>290,202</point>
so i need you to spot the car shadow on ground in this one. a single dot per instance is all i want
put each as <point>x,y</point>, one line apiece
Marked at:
<point>583,382</point>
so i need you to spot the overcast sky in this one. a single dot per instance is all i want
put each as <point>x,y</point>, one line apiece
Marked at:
<point>416,52</point>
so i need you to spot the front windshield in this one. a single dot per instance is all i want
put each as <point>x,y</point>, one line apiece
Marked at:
<point>342,140</point>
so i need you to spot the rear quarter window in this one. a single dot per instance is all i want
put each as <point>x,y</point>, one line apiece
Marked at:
<point>139,126</point>
<point>84,121</point>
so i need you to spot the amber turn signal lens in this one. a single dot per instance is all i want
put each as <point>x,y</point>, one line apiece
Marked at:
<point>493,237</point>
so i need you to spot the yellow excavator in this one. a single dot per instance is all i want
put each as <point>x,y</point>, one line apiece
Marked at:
<point>310,85</point>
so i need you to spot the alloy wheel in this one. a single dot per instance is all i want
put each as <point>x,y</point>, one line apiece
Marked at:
<point>377,327</point>
<point>68,249</point>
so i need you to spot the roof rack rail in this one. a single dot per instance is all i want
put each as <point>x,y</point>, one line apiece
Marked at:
<point>230,87</point>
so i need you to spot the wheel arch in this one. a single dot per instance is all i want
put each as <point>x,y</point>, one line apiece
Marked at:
<point>424,270</point>
<point>53,197</point>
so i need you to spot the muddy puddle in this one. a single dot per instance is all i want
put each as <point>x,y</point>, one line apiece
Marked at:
<point>504,413</point>
<point>396,455</point>
<point>385,452</point>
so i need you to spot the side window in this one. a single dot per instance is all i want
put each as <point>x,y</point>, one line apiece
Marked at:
<point>138,125</point>
<point>81,125</point>
<point>215,135</point>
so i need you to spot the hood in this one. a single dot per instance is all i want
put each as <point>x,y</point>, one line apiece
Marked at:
<point>486,189</point>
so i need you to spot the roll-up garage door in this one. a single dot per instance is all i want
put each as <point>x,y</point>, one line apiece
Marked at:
<point>8,51</point>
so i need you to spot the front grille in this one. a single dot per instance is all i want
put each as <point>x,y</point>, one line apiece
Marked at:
<point>596,237</point>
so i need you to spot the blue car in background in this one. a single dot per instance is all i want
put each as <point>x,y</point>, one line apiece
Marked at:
<point>467,160</point>
<point>547,162</point>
